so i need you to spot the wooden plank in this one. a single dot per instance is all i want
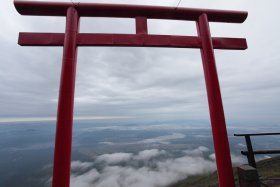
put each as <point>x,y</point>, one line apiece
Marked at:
<point>41,39</point>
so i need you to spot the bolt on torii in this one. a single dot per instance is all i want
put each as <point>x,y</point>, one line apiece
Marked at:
<point>71,39</point>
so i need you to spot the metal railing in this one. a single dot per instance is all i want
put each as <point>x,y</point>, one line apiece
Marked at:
<point>250,153</point>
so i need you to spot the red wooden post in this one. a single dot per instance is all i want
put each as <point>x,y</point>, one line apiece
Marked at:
<point>71,39</point>
<point>63,141</point>
<point>221,144</point>
<point>141,25</point>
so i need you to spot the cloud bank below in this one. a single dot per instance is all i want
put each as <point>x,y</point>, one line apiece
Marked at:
<point>149,168</point>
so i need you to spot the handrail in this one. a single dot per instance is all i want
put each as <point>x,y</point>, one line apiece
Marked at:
<point>260,152</point>
<point>250,152</point>
<point>257,134</point>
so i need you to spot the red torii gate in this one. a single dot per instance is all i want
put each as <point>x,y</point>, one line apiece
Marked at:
<point>71,39</point>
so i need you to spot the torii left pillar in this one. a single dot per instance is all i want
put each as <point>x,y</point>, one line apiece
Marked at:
<point>63,140</point>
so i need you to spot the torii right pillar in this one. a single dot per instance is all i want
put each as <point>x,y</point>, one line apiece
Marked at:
<point>219,131</point>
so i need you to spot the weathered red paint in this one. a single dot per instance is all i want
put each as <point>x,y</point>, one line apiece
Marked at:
<point>131,40</point>
<point>72,39</point>
<point>37,8</point>
<point>141,25</point>
<point>63,141</point>
<point>221,144</point>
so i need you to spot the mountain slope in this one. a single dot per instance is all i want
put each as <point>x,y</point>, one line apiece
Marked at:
<point>269,172</point>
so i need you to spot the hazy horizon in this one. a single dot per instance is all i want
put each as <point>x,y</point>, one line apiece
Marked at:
<point>112,153</point>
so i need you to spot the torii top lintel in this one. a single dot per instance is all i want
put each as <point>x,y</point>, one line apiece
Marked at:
<point>128,11</point>
<point>141,13</point>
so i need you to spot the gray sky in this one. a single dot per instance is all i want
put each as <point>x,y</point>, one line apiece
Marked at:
<point>150,83</point>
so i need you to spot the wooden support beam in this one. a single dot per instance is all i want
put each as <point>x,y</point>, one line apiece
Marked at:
<point>132,40</point>
<point>141,25</point>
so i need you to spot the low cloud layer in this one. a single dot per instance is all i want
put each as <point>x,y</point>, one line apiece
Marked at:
<point>198,151</point>
<point>80,166</point>
<point>114,158</point>
<point>148,154</point>
<point>158,172</point>
<point>235,159</point>
<point>163,139</point>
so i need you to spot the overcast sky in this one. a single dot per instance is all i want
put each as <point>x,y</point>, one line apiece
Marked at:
<point>147,83</point>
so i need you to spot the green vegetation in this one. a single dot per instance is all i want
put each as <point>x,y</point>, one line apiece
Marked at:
<point>269,172</point>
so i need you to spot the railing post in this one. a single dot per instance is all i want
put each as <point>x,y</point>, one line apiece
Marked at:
<point>63,141</point>
<point>250,155</point>
<point>248,176</point>
<point>221,144</point>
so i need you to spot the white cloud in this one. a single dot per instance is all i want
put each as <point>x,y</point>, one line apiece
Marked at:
<point>235,159</point>
<point>80,166</point>
<point>161,173</point>
<point>163,139</point>
<point>148,154</point>
<point>241,145</point>
<point>198,151</point>
<point>85,179</point>
<point>267,157</point>
<point>212,156</point>
<point>114,158</point>
<point>238,159</point>
<point>262,157</point>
